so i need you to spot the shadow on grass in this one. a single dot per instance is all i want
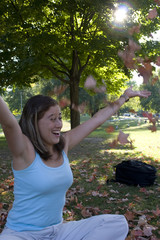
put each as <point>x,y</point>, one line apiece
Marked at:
<point>93,162</point>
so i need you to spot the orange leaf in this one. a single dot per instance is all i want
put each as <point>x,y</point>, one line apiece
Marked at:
<point>110,129</point>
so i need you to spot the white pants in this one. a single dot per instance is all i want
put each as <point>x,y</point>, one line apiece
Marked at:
<point>101,227</point>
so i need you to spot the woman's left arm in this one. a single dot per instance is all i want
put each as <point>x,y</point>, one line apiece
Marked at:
<point>74,136</point>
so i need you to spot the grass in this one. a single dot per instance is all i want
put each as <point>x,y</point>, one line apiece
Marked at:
<point>93,163</point>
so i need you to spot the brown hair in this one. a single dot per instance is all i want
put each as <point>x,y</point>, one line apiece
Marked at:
<point>33,111</point>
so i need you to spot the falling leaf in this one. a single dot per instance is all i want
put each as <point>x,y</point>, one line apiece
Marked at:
<point>110,129</point>
<point>147,231</point>
<point>113,144</point>
<point>156,212</point>
<point>134,29</point>
<point>80,108</point>
<point>152,13</point>
<point>133,46</point>
<point>158,61</point>
<point>64,102</point>
<point>90,83</point>
<point>128,58</point>
<point>154,80</point>
<point>158,2</point>
<point>145,71</point>
<point>123,138</point>
<point>153,128</point>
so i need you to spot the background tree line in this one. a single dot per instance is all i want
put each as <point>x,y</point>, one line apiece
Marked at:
<point>70,39</point>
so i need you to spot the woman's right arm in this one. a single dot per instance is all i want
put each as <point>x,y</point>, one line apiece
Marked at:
<point>15,138</point>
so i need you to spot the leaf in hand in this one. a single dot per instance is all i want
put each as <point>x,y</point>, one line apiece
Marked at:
<point>123,138</point>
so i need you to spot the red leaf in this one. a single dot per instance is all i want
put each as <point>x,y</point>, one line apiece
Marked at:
<point>153,128</point>
<point>129,215</point>
<point>64,102</point>
<point>110,129</point>
<point>156,212</point>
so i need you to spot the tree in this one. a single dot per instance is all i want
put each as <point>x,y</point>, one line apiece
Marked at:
<point>66,39</point>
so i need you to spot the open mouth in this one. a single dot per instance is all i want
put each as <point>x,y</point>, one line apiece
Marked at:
<point>56,133</point>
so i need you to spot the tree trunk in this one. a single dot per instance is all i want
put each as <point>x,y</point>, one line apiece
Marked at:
<point>74,97</point>
<point>74,90</point>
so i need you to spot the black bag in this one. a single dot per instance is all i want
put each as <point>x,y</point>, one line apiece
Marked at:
<point>133,172</point>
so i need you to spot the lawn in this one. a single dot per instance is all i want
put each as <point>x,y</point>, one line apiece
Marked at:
<point>94,190</point>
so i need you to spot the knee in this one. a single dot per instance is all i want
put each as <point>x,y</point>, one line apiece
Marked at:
<point>116,221</point>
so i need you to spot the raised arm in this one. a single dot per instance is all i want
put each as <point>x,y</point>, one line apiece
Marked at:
<point>12,130</point>
<point>74,136</point>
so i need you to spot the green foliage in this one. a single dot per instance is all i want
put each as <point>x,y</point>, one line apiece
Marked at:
<point>152,103</point>
<point>68,40</point>
<point>40,38</point>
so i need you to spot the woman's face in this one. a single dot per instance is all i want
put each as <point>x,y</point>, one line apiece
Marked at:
<point>50,126</point>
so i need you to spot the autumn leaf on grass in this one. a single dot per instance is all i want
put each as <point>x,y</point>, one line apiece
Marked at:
<point>156,212</point>
<point>110,129</point>
<point>123,138</point>
<point>86,213</point>
<point>129,215</point>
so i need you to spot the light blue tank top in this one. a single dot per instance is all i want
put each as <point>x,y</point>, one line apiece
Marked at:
<point>39,193</point>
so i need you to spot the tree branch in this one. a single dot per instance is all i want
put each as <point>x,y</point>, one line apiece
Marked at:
<point>52,70</point>
<point>19,14</point>
<point>60,62</point>
<point>85,65</point>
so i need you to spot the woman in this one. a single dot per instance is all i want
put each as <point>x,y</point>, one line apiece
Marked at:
<point>42,174</point>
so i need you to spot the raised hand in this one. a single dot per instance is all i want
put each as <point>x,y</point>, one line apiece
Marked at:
<point>131,93</point>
